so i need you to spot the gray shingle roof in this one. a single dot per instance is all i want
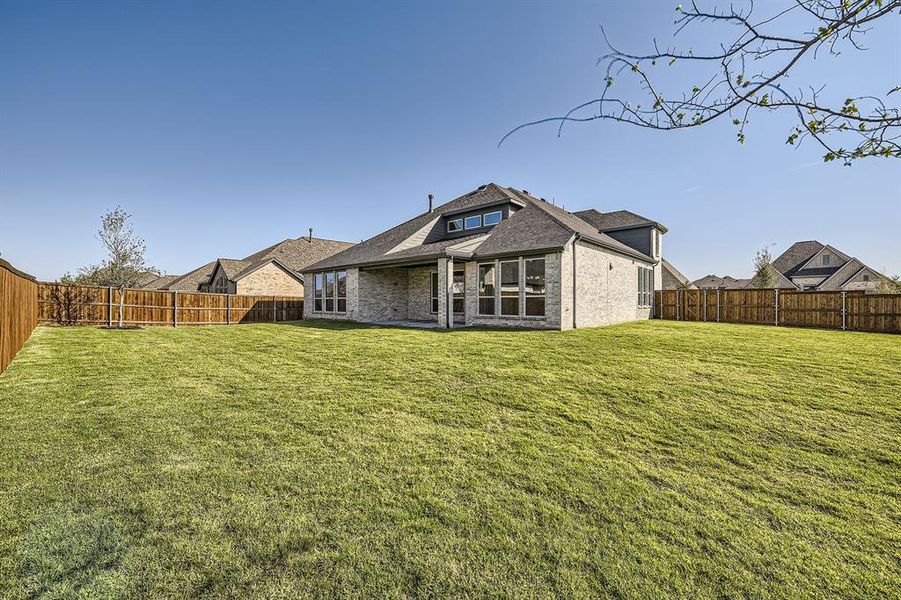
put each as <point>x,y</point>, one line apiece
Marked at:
<point>160,282</point>
<point>539,225</point>
<point>293,254</point>
<point>191,281</point>
<point>724,282</point>
<point>796,255</point>
<point>617,219</point>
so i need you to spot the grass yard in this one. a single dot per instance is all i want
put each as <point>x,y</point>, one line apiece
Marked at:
<point>637,461</point>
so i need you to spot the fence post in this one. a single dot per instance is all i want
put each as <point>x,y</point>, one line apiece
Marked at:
<point>717,305</point>
<point>777,307</point>
<point>274,319</point>
<point>678,306</point>
<point>705,304</point>
<point>175,308</point>
<point>109,309</point>
<point>844,311</point>
<point>228,309</point>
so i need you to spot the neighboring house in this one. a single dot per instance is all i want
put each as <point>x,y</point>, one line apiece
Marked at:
<point>715,282</point>
<point>496,256</point>
<point>157,282</point>
<point>812,265</point>
<point>672,279</point>
<point>275,270</point>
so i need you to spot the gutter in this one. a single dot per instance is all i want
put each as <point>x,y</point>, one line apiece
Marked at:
<point>576,238</point>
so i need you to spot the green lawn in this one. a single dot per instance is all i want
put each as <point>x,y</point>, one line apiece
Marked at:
<point>636,461</point>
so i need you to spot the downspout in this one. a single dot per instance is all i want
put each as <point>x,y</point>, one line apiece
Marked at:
<point>575,239</point>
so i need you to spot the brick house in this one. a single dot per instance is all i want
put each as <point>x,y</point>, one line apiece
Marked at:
<point>275,270</point>
<point>495,256</point>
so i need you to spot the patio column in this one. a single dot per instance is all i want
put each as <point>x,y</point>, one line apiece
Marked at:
<point>449,291</point>
<point>443,286</point>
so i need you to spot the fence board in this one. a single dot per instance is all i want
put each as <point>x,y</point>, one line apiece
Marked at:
<point>155,307</point>
<point>18,311</point>
<point>862,312</point>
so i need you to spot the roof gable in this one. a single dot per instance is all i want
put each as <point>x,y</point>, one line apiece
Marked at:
<point>796,255</point>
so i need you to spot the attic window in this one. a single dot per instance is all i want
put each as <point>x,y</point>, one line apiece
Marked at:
<point>492,218</point>
<point>455,225</point>
<point>474,222</point>
<point>825,260</point>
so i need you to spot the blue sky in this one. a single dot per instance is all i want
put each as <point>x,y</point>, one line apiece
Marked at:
<point>225,127</point>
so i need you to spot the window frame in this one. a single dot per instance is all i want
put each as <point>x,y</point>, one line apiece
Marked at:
<point>500,217</point>
<point>645,287</point>
<point>533,296</point>
<point>493,296</point>
<point>466,220</point>
<point>338,297</point>
<point>455,220</point>
<point>434,283</point>
<point>519,286</point>
<point>827,260</point>
<point>318,279</point>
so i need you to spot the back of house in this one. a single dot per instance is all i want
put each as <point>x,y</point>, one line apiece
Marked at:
<point>496,256</point>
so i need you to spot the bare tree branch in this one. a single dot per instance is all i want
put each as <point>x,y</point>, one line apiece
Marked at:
<point>866,123</point>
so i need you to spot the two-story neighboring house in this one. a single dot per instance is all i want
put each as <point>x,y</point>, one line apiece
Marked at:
<point>812,265</point>
<point>495,256</point>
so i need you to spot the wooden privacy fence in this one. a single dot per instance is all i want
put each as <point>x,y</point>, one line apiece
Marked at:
<point>18,311</point>
<point>87,305</point>
<point>853,311</point>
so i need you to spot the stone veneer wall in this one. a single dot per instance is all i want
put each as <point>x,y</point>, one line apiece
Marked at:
<point>419,286</point>
<point>269,280</point>
<point>606,295</point>
<point>383,295</point>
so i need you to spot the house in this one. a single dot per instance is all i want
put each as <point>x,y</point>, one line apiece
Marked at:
<point>812,265</point>
<point>495,256</point>
<point>809,265</point>
<point>715,282</point>
<point>275,270</point>
<point>672,279</point>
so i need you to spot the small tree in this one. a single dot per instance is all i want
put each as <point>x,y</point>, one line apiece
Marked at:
<point>764,272</point>
<point>889,285</point>
<point>125,265</point>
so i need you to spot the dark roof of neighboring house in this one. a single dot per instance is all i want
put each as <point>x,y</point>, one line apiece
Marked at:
<point>672,278</point>
<point>796,255</point>
<point>617,219</point>
<point>539,225</point>
<point>725,282</point>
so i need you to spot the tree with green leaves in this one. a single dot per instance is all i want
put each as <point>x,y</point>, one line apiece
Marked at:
<point>749,73</point>
<point>764,272</point>
<point>125,265</point>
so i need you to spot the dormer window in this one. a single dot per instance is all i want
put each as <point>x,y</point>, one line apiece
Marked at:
<point>454,225</point>
<point>473,222</point>
<point>492,218</point>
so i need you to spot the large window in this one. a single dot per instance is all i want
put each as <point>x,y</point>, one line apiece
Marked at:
<point>330,292</point>
<point>317,292</point>
<point>535,287</point>
<point>487,289</point>
<point>434,292</point>
<point>645,286</point>
<point>458,289</point>
<point>510,288</point>
<point>341,291</point>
